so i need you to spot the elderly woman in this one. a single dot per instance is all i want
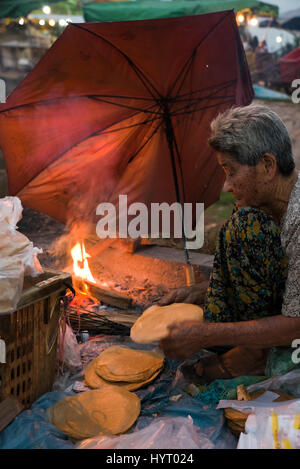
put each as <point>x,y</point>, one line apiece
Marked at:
<point>253,299</point>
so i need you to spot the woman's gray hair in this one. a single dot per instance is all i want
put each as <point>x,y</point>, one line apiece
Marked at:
<point>247,133</point>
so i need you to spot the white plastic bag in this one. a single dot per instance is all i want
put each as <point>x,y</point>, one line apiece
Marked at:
<point>273,428</point>
<point>18,257</point>
<point>10,211</point>
<point>13,243</point>
<point>11,283</point>
<point>162,433</point>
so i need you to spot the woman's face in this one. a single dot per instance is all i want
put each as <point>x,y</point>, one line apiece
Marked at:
<point>242,180</point>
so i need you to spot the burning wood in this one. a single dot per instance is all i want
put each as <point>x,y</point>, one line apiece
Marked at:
<point>85,284</point>
<point>84,314</point>
<point>104,295</point>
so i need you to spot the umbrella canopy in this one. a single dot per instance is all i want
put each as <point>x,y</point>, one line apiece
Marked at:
<point>151,9</point>
<point>290,66</point>
<point>124,108</point>
<point>17,8</point>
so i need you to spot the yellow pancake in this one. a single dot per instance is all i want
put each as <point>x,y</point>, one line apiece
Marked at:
<point>153,324</point>
<point>120,363</point>
<point>110,410</point>
<point>95,382</point>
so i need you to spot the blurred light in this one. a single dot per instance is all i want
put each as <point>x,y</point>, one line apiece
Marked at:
<point>278,39</point>
<point>253,21</point>
<point>240,18</point>
<point>68,20</point>
<point>21,21</point>
<point>52,22</point>
<point>62,22</point>
<point>42,22</point>
<point>47,10</point>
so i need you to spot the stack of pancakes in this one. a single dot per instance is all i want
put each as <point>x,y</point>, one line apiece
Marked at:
<point>123,367</point>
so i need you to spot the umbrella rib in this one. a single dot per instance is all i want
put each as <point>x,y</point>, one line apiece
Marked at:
<point>46,101</point>
<point>200,100</point>
<point>170,136</point>
<point>230,82</point>
<point>131,126</point>
<point>141,147</point>
<point>77,143</point>
<point>124,105</point>
<point>222,87</point>
<point>189,62</point>
<point>142,77</point>
<point>180,165</point>
<point>195,100</point>
<point>146,142</point>
<point>119,97</point>
<point>212,93</point>
<point>203,108</point>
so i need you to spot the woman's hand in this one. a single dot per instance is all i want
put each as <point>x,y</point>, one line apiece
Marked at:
<point>185,339</point>
<point>193,295</point>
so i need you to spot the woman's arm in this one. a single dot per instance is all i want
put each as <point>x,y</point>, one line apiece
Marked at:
<point>187,338</point>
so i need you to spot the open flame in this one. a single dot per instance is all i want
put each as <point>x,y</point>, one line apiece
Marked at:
<point>81,268</point>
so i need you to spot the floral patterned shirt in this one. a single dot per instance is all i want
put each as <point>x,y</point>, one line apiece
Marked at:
<point>290,240</point>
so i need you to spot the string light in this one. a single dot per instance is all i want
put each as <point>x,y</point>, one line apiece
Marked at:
<point>21,21</point>
<point>240,18</point>
<point>62,23</point>
<point>42,22</point>
<point>52,22</point>
<point>47,10</point>
<point>253,21</point>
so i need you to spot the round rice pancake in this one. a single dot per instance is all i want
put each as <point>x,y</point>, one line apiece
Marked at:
<point>153,324</point>
<point>110,410</point>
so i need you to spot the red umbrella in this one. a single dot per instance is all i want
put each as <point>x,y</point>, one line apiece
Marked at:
<point>124,108</point>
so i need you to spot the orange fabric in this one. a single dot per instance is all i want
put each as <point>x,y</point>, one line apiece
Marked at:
<point>73,133</point>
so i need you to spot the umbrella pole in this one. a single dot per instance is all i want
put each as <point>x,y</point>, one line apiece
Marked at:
<point>189,269</point>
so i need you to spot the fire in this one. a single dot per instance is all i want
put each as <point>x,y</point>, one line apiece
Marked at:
<point>81,268</point>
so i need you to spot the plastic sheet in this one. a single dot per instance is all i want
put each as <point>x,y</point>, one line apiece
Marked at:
<point>31,429</point>
<point>288,383</point>
<point>164,397</point>
<point>162,433</point>
<point>280,361</point>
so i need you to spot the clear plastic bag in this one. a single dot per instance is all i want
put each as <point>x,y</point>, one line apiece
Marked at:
<point>68,350</point>
<point>273,428</point>
<point>162,433</point>
<point>288,383</point>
